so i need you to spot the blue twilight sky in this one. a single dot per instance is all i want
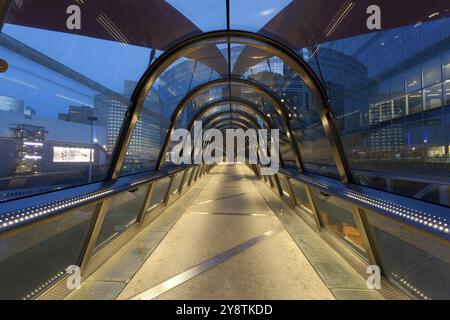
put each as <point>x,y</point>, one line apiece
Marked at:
<point>106,62</point>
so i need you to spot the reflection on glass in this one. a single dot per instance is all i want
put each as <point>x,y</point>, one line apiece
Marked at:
<point>123,212</point>
<point>336,215</point>
<point>418,263</point>
<point>33,260</point>
<point>160,192</point>
<point>188,176</point>
<point>68,111</point>
<point>389,92</point>
<point>433,97</point>
<point>162,99</point>
<point>177,182</point>
<point>284,186</point>
<point>301,197</point>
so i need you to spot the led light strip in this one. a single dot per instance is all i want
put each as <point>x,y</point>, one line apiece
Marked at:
<point>11,219</point>
<point>317,183</point>
<point>43,286</point>
<point>410,286</point>
<point>426,219</point>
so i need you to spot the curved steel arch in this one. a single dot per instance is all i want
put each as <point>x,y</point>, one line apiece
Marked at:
<point>231,113</point>
<point>218,120</point>
<point>239,101</point>
<point>244,124</point>
<point>249,122</point>
<point>236,101</point>
<point>209,123</point>
<point>229,125</point>
<point>275,101</point>
<point>259,41</point>
<point>212,104</point>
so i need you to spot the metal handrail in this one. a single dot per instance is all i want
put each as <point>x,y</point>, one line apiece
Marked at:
<point>427,217</point>
<point>15,217</point>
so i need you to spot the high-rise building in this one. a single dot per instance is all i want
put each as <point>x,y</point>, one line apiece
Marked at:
<point>147,135</point>
<point>30,143</point>
<point>389,137</point>
<point>78,114</point>
<point>110,113</point>
<point>29,112</point>
<point>12,104</point>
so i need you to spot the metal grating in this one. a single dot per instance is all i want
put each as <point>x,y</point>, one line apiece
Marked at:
<point>350,294</point>
<point>122,267</point>
<point>95,290</point>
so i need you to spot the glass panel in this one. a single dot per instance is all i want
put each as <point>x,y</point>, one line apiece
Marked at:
<point>160,192</point>
<point>177,182</point>
<point>194,174</point>
<point>314,147</point>
<point>336,216</point>
<point>388,91</point>
<point>33,260</point>
<point>447,93</point>
<point>188,176</point>
<point>301,197</point>
<point>292,91</point>
<point>167,92</point>
<point>416,262</point>
<point>123,212</point>
<point>446,64</point>
<point>433,97</point>
<point>415,102</point>
<point>273,183</point>
<point>432,71</point>
<point>58,129</point>
<point>267,180</point>
<point>284,186</point>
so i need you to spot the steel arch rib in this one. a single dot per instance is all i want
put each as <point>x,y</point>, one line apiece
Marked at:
<point>236,36</point>
<point>233,100</point>
<point>234,112</point>
<point>218,120</point>
<point>237,101</point>
<point>275,101</point>
<point>244,124</point>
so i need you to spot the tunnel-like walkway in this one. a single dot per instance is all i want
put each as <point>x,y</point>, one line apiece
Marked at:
<point>224,240</point>
<point>112,125</point>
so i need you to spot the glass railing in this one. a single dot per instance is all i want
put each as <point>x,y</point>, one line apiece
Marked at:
<point>408,239</point>
<point>46,238</point>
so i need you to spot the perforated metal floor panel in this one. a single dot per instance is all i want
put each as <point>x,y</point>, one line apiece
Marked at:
<point>353,294</point>
<point>123,266</point>
<point>93,290</point>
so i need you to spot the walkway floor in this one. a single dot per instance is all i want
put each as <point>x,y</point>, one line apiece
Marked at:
<point>224,240</point>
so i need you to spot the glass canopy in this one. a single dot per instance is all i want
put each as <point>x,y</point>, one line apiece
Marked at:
<point>68,91</point>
